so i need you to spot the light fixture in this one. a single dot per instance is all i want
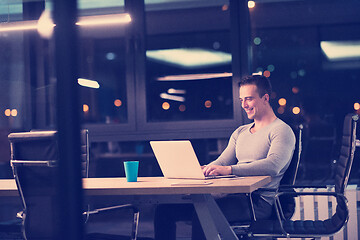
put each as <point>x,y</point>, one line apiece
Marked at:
<point>200,76</point>
<point>172,97</point>
<point>121,18</point>
<point>251,4</point>
<point>88,83</point>
<point>341,50</point>
<point>18,26</point>
<point>45,22</point>
<point>189,58</point>
<point>45,25</point>
<point>176,91</point>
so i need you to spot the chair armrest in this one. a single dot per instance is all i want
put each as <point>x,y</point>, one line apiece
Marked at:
<point>311,186</point>
<point>342,200</point>
<point>295,194</point>
<point>285,187</point>
<point>40,163</point>
<point>99,210</point>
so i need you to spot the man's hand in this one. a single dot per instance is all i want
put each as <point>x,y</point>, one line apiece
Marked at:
<point>216,170</point>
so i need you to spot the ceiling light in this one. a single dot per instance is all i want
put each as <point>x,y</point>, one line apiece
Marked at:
<point>172,97</point>
<point>176,91</point>
<point>189,58</point>
<point>88,83</point>
<point>200,76</point>
<point>110,19</point>
<point>18,26</point>
<point>341,50</point>
<point>45,23</point>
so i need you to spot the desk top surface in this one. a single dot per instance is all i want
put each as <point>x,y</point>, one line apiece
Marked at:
<point>157,186</point>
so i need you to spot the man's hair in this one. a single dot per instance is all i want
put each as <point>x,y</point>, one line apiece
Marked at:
<point>261,82</point>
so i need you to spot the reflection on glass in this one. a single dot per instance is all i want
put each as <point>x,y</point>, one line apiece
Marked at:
<point>12,81</point>
<point>311,64</point>
<point>103,83</point>
<point>189,77</point>
<point>189,58</point>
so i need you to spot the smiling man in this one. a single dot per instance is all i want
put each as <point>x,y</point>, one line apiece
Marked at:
<point>263,147</point>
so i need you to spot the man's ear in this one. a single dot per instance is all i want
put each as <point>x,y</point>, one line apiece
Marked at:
<point>266,97</point>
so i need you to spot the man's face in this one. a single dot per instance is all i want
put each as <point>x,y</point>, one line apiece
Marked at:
<point>251,102</point>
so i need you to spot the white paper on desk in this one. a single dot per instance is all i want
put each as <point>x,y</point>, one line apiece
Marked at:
<point>194,182</point>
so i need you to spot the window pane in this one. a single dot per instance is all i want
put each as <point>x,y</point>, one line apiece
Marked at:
<point>188,61</point>
<point>189,77</point>
<point>292,53</point>
<point>103,61</point>
<point>12,81</point>
<point>313,62</point>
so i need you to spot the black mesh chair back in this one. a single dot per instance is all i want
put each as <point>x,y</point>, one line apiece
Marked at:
<point>319,145</point>
<point>287,202</point>
<point>347,152</point>
<point>291,172</point>
<point>34,157</point>
<point>285,228</point>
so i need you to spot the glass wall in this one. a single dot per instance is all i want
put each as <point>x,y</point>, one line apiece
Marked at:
<point>12,79</point>
<point>103,61</point>
<point>295,49</point>
<point>311,53</point>
<point>14,113</point>
<point>168,73</point>
<point>189,77</point>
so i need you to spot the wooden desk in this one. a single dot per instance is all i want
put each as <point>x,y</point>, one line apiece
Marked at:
<point>158,190</point>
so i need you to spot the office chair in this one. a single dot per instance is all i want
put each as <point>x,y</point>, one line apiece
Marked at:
<point>282,227</point>
<point>287,203</point>
<point>34,157</point>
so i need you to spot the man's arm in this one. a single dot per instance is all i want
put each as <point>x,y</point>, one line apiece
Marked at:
<point>222,165</point>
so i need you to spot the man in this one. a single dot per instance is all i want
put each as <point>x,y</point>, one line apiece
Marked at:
<point>264,147</point>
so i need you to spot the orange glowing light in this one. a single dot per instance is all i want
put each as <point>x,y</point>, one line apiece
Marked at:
<point>85,108</point>
<point>7,112</point>
<point>267,73</point>
<point>356,106</point>
<point>208,104</point>
<point>296,110</point>
<point>282,101</point>
<point>165,106</point>
<point>14,112</point>
<point>117,103</point>
<point>251,4</point>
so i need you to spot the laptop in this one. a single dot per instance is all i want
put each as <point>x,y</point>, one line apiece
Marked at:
<point>177,159</point>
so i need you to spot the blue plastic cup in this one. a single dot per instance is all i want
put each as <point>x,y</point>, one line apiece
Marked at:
<point>131,170</point>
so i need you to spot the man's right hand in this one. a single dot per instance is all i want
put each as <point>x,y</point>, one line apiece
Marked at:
<point>216,170</point>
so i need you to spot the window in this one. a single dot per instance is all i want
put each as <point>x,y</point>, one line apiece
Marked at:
<point>189,77</point>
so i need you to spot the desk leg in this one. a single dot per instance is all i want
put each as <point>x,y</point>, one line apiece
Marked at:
<point>212,220</point>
